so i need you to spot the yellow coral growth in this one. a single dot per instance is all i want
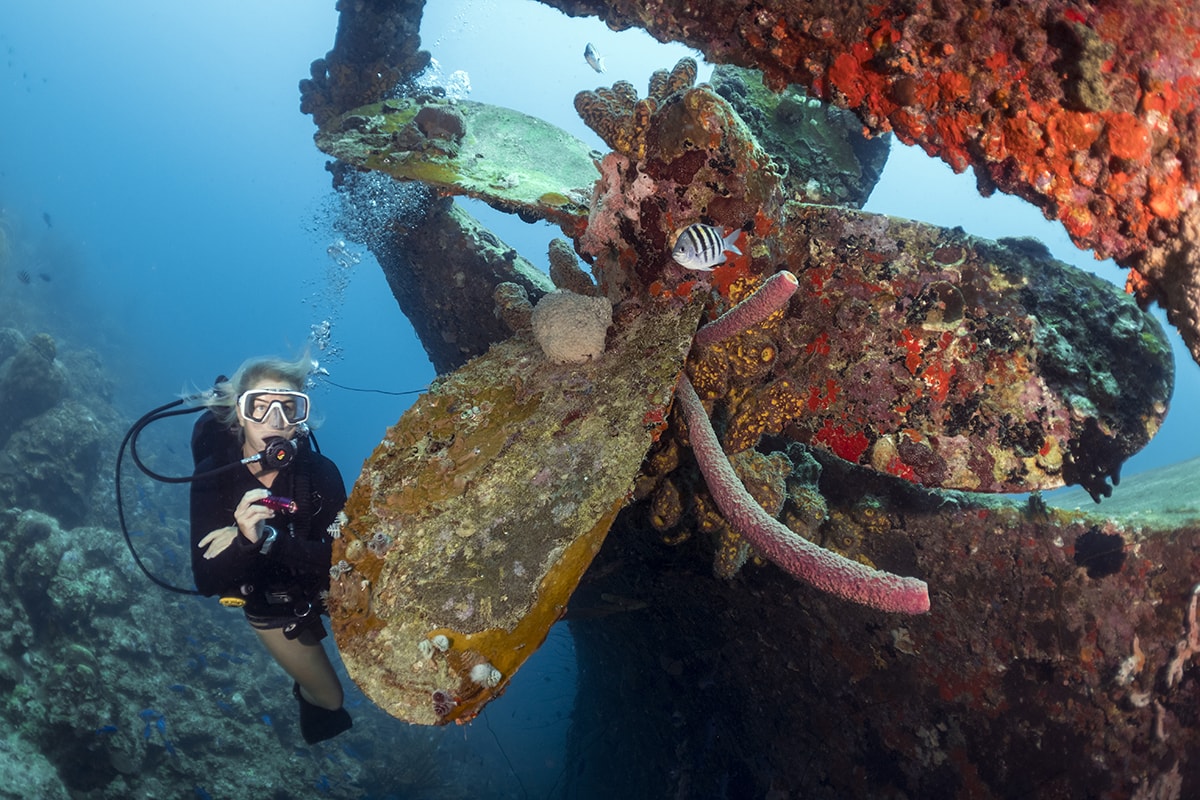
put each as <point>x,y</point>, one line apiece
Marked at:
<point>751,356</point>
<point>666,507</point>
<point>708,516</point>
<point>731,553</point>
<point>682,76</point>
<point>766,411</point>
<point>848,530</point>
<point>741,360</point>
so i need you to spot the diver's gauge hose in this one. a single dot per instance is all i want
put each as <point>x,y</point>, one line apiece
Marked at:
<point>277,454</point>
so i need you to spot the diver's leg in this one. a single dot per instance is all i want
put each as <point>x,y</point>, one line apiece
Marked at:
<point>307,664</point>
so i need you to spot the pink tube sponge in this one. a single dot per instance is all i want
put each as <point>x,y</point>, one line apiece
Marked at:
<point>815,565</point>
<point>765,301</point>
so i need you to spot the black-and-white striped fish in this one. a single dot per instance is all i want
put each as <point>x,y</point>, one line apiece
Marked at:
<point>702,247</point>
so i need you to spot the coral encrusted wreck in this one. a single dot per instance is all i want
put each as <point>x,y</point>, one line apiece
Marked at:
<point>920,352</point>
<point>1056,657</point>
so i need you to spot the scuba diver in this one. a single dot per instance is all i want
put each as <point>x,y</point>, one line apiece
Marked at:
<point>261,537</point>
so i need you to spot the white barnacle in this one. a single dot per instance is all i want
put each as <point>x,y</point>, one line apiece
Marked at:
<point>486,675</point>
<point>339,569</point>
<point>426,649</point>
<point>441,642</point>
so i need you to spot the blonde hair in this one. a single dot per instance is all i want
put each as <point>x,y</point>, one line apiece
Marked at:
<point>222,401</point>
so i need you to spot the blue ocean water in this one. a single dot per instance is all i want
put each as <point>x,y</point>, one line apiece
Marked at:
<point>155,168</point>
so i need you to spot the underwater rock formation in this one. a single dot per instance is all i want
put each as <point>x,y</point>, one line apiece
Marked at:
<point>54,462</point>
<point>1088,111</point>
<point>108,689</point>
<point>55,424</point>
<point>11,340</point>
<point>31,381</point>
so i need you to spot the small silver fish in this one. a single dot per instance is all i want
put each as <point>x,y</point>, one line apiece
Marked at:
<point>702,247</point>
<point>593,58</point>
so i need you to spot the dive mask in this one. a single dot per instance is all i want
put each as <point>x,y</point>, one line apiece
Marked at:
<point>289,406</point>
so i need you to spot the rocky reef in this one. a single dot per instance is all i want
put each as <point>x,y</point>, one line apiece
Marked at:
<point>54,437</point>
<point>113,689</point>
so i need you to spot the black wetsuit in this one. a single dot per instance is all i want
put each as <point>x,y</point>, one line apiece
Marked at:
<point>280,588</point>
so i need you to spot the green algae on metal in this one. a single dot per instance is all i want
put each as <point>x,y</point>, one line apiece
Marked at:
<point>821,150</point>
<point>478,513</point>
<point>514,162</point>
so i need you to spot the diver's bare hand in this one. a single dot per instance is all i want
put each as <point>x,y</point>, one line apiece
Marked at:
<point>215,543</point>
<point>250,515</point>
